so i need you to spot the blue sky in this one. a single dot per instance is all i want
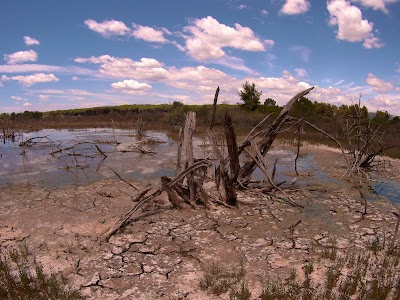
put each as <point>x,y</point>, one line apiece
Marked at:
<point>70,54</point>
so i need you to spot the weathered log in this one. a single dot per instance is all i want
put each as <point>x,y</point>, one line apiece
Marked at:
<point>269,136</point>
<point>172,196</point>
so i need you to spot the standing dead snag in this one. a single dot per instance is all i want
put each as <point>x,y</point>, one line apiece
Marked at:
<point>230,179</point>
<point>269,136</point>
<point>186,157</point>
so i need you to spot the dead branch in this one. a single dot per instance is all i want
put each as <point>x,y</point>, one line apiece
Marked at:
<point>395,231</point>
<point>121,222</point>
<point>298,148</point>
<point>100,151</point>
<point>172,196</point>
<point>245,142</point>
<point>214,109</point>
<point>269,136</point>
<point>123,180</point>
<point>262,167</point>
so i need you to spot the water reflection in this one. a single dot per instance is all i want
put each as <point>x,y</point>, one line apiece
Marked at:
<point>64,157</point>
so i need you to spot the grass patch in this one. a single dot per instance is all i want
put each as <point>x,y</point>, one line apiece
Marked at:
<point>369,274</point>
<point>23,279</point>
<point>219,280</point>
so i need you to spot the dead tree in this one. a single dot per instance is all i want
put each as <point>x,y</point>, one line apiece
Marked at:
<point>268,137</point>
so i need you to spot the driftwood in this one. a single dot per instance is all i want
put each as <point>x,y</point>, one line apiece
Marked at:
<point>172,196</point>
<point>123,180</point>
<point>125,218</point>
<point>269,136</point>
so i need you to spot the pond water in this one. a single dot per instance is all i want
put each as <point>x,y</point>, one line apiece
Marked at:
<point>42,163</point>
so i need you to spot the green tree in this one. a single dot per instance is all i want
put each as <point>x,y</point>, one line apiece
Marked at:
<point>382,117</point>
<point>303,108</point>
<point>396,120</point>
<point>269,102</point>
<point>250,96</point>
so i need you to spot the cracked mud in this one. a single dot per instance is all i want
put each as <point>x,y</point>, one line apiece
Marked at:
<point>164,255</point>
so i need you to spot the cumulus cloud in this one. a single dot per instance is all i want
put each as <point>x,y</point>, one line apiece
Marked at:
<point>27,104</point>
<point>376,4</point>
<point>351,25</point>
<point>145,69</point>
<point>379,85</point>
<point>4,78</point>
<point>207,37</point>
<point>20,56</point>
<point>303,52</point>
<point>148,34</point>
<point>131,86</point>
<point>75,78</point>
<point>35,78</point>
<point>295,7</point>
<point>29,41</point>
<point>264,12</point>
<point>108,28</point>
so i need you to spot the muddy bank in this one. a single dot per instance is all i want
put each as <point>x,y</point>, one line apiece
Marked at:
<point>164,255</point>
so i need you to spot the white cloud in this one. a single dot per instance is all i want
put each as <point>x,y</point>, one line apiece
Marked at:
<point>148,34</point>
<point>295,7</point>
<point>44,97</point>
<point>94,60</point>
<point>35,78</point>
<point>75,78</point>
<point>242,6</point>
<point>27,104</point>
<point>339,82</point>
<point>264,12</point>
<point>300,72</point>
<point>4,78</point>
<point>17,98</point>
<point>145,69</point>
<point>207,38</point>
<point>30,41</point>
<point>378,84</point>
<point>351,25</point>
<point>131,86</point>
<point>108,28</point>
<point>385,102</point>
<point>20,56</point>
<point>376,4</point>
<point>28,68</point>
<point>303,52</point>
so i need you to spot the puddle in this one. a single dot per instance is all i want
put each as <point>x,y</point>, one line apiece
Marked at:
<point>388,189</point>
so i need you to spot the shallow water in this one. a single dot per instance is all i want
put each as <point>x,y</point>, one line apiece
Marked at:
<point>83,164</point>
<point>35,165</point>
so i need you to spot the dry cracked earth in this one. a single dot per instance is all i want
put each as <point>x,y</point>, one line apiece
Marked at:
<point>163,256</point>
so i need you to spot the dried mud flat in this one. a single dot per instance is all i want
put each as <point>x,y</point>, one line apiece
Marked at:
<point>164,255</point>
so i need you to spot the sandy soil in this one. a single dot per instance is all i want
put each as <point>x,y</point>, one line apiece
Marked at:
<point>164,255</point>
